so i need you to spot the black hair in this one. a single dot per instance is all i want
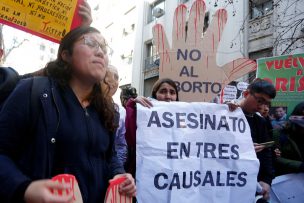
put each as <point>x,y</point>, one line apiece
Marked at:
<point>263,87</point>
<point>298,110</point>
<point>158,83</point>
<point>60,70</point>
<point>127,93</point>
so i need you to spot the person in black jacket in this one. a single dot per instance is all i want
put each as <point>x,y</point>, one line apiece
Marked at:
<point>257,94</point>
<point>74,132</point>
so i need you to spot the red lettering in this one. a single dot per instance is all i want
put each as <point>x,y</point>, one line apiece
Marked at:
<point>301,84</point>
<point>294,62</point>
<point>287,62</point>
<point>269,64</point>
<point>301,59</point>
<point>278,64</point>
<point>281,84</point>
<point>300,72</point>
<point>292,84</point>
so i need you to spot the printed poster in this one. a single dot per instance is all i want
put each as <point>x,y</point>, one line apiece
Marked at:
<point>194,152</point>
<point>287,75</point>
<point>49,19</point>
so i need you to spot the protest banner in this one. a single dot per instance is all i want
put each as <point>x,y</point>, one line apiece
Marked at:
<point>49,19</point>
<point>191,60</point>
<point>286,73</point>
<point>194,152</point>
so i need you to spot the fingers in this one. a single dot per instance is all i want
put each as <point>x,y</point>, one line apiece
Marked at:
<point>238,68</point>
<point>47,191</point>
<point>232,106</point>
<point>143,101</point>
<point>215,30</point>
<point>128,186</point>
<point>179,27</point>
<point>196,24</point>
<point>85,13</point>
<point>162,47</point>
<point>258,147</point>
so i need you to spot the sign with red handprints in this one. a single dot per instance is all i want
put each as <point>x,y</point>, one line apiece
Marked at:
<point>191,60</point>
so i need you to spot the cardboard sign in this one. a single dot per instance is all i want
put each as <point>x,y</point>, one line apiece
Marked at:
<point>194,152</point>
<point>191,61</point>
<point>113,195</point>
<point>286,73</point>
<point>49,19</point>
<point>67,178</point>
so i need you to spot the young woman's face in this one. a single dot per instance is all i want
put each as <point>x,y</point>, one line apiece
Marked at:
<point>166,93</point>
<point>89,58</point>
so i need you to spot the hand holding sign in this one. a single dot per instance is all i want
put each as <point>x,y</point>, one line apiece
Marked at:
<point>191,61</point>
<point>113,194</point>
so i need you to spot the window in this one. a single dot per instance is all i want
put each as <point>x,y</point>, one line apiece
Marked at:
<point>151,56</point>
<point>261,8</point>
<point>157,9</point>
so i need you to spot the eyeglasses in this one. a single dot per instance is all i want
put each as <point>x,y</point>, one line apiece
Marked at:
<point>260,100</point>
<point>96,45</point>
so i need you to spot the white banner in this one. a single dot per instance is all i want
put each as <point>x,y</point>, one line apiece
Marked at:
<point>194,152</point>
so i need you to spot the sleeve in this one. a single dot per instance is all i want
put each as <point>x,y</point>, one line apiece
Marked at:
<point>293,166</point>
<point>116,165</point>
<point>120,140</point>
<point>14,125</point>
<point>266,172</point>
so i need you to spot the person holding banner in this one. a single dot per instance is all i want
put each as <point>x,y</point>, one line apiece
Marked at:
<point>73,133</point>
<point>257,94</point>
<point>163,90</point>
<point>290,140</point>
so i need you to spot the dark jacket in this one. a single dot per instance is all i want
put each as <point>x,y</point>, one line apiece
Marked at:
<point>259,134</point>
<point>291,159</point>
<point>28,154</point>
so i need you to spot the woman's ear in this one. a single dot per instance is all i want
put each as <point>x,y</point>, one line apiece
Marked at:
<point>65,55</point>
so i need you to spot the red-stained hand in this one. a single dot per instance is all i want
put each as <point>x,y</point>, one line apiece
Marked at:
<point>127,187</point>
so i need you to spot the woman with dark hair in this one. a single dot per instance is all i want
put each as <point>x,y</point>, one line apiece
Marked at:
<point>163,90</point>
<point>290,140</point>
<point>74,131</point>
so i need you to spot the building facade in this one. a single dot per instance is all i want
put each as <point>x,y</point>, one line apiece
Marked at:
<point>255,29</point>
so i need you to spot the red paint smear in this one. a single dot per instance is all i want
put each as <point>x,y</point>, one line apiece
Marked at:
<point>241,66</point>
<point>180,8</point>
<point>77,20</point>
<point>67,178</point>
<point>112,191</point>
